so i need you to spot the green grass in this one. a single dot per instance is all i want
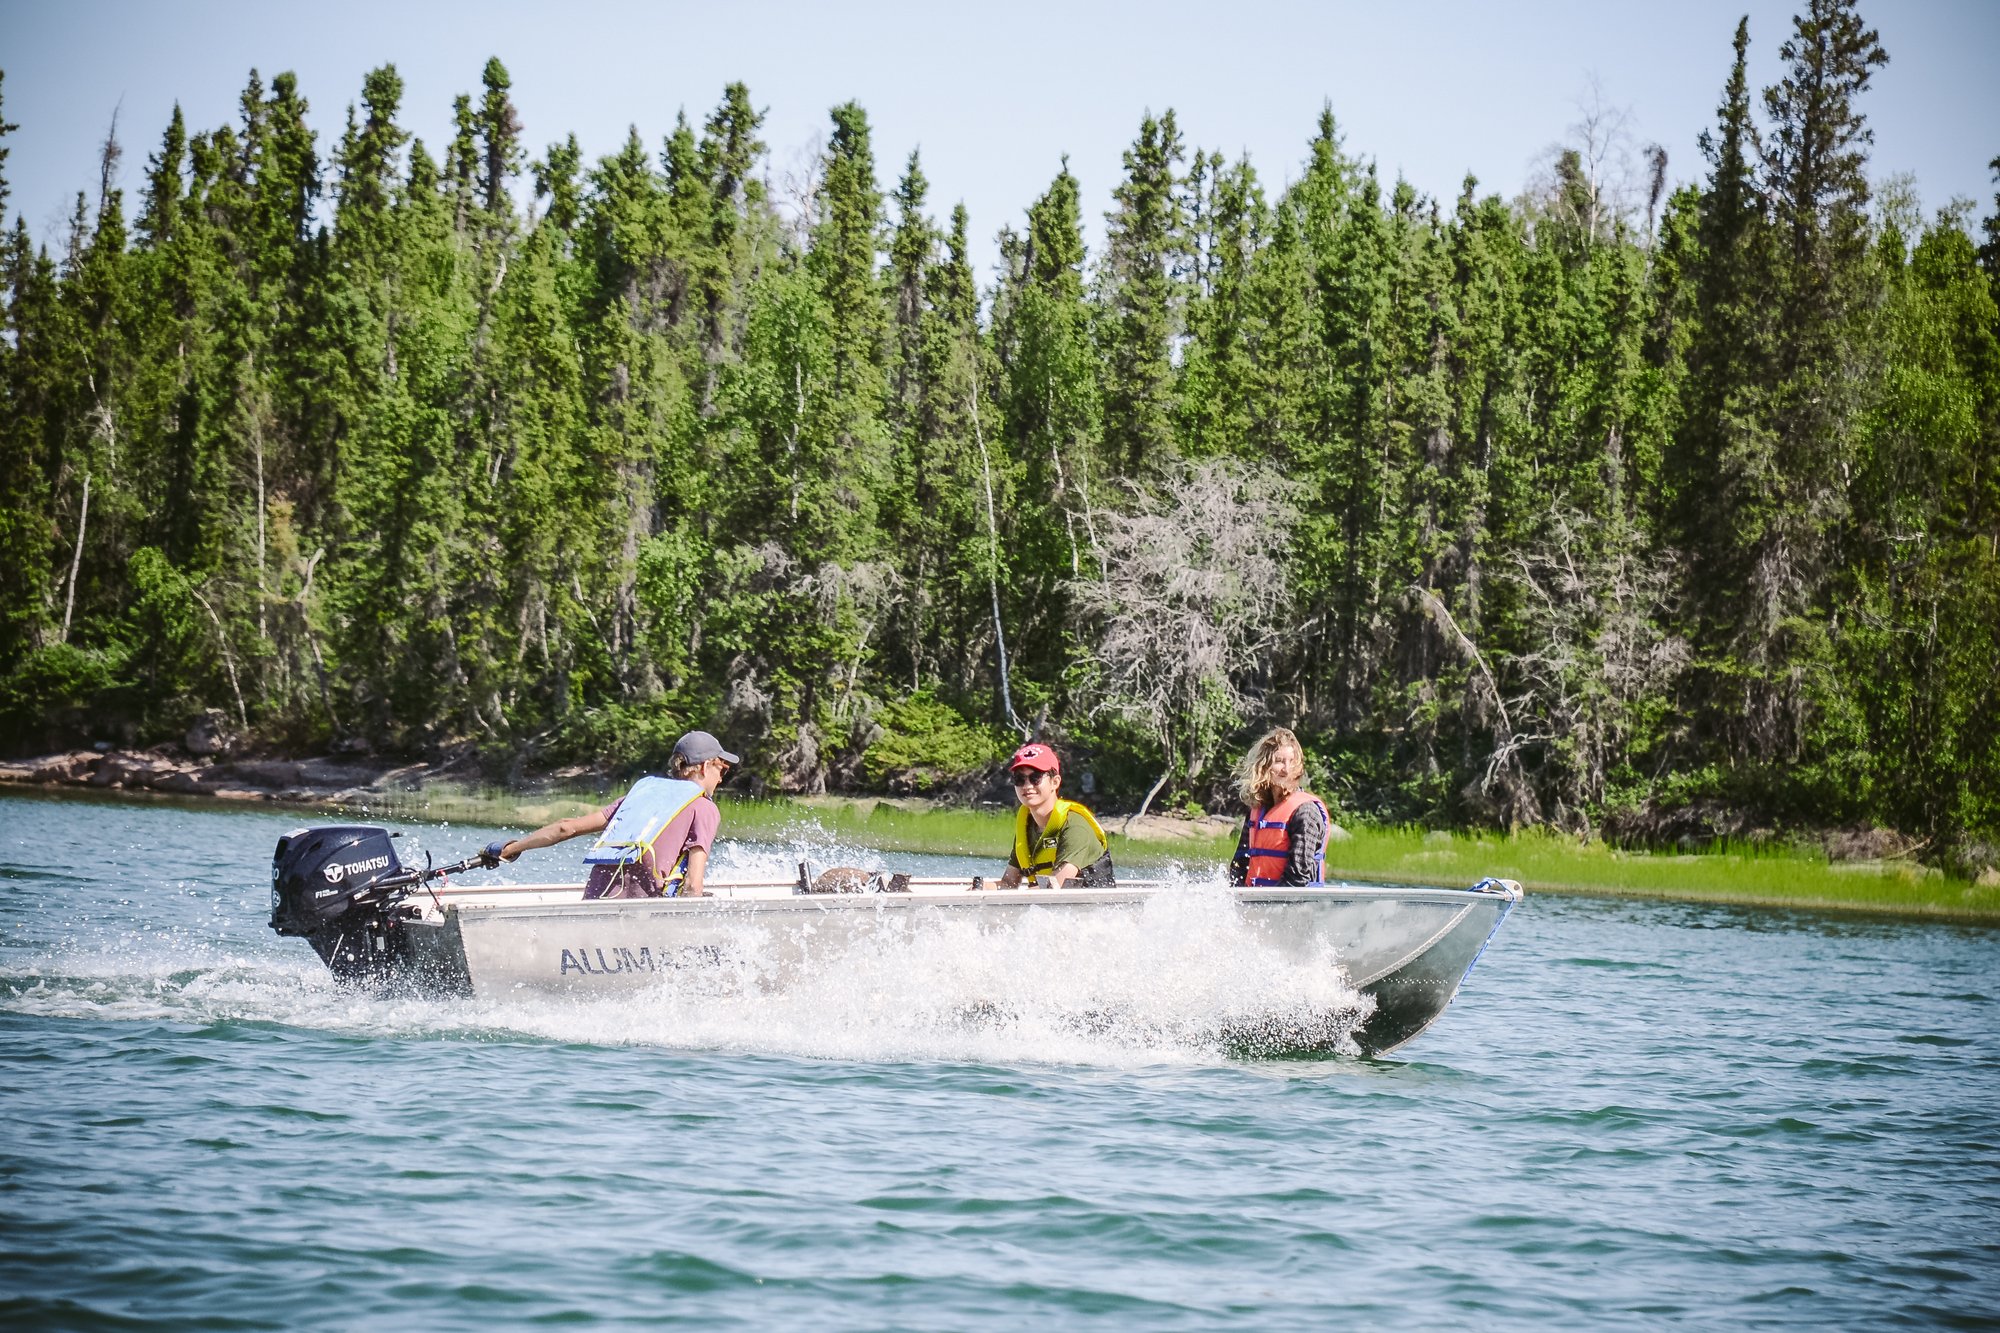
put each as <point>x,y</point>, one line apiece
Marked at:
<point>1750,875</point>
<point>1774,876</point>
<point>1546,863</point>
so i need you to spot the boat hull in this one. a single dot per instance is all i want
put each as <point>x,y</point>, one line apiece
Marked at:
<point>1407,949</point>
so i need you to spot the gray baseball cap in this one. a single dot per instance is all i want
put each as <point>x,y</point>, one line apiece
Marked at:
<point>698,747</point>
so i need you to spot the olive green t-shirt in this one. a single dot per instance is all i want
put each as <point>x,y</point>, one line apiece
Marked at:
<point>1078,844</point>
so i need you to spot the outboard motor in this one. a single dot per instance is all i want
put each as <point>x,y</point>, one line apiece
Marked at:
<point>339,888</point>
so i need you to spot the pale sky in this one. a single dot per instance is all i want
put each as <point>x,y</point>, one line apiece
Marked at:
<point>994,96</point>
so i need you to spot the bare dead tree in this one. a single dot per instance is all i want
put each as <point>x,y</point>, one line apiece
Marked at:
<point>1594,610</point>
<point>993,572</point>
<point>228,658</point>
<point>1602,135</point>
<point>841,604</point>
<point>108,158</point>
<point>869,592</point>
<point>256,410</point>
<point>1592,179</point>
<point>1187,606</point>
<point>301,606</point>
<point>796,191</point>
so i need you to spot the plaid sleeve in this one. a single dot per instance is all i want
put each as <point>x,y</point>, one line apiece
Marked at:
<point>1307,831</point>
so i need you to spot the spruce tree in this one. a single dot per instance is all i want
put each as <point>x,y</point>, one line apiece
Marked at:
<point>461,162</point>
<point>1218,366</point>
<point>287,173</point>
<point>836,516</point>
<point>7,128</point>
<point>499,130</point>
<point>25,534</point>
<point>1920,585</point>
<point>1719,466</point>
<point>1350,532</point>
<point>965,488</point>
<point>730,151</point>
<point>1815,168</point>
<point>1142,296</point>
<point>175,393</point>
<point>845,243</point>
<point>368,168</point>
<point>911,248</point>
<point>1053,416</point>
<point>1284,355</point>
<point>555,180</point>
<point>1814,172</point>
<point>1989,252</point>
<point>164,185</point>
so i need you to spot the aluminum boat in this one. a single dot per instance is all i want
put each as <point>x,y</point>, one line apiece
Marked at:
<point>1407,949</point>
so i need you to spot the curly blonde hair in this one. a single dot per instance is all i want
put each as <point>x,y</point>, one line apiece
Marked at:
<point>1253,783</point>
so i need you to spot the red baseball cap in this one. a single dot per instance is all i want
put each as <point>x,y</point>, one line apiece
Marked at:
<point>1036,756</point>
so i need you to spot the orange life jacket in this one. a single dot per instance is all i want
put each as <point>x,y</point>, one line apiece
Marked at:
<point>1271,846</point>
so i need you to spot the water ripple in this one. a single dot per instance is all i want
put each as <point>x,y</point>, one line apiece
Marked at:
<point>1636,1115</point>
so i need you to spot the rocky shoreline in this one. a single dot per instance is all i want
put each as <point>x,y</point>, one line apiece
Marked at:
<point>175,769</point>
<point>170,770</point>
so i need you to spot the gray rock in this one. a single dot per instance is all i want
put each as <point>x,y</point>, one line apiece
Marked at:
<point>76,766</point>
<point>122,768</point>
<point>188,781</point>
<point>262,772</point>
<point>334,773</point>
<point>210,734</point>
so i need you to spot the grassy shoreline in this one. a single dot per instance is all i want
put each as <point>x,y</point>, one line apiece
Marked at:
<point>1544,863</point>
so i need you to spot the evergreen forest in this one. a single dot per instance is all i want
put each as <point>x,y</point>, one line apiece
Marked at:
<point>1614,508</point>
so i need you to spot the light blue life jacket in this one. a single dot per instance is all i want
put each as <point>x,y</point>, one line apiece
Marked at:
<point>644,814</point>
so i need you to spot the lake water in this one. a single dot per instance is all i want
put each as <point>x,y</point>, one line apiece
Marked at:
<point>1635,1115</point>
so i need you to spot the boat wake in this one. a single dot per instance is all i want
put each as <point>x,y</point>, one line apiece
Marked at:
<point>1183,979</point>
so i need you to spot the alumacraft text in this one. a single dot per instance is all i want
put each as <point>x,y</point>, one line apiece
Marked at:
<point>612,959</point>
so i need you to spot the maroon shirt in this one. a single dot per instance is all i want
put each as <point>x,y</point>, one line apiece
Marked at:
<point>692,827</point>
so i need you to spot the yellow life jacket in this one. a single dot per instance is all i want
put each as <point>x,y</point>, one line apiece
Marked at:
<point>1040,861</point>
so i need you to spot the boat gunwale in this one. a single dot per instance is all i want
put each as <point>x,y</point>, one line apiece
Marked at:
<point>464,902</point>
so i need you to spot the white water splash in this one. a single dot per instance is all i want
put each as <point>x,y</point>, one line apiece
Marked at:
<point>1183,978</point>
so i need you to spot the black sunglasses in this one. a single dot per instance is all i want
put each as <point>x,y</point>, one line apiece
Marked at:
<point>1028,779</point>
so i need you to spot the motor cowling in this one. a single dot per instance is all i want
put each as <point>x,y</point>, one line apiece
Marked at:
<point>320,877</point>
